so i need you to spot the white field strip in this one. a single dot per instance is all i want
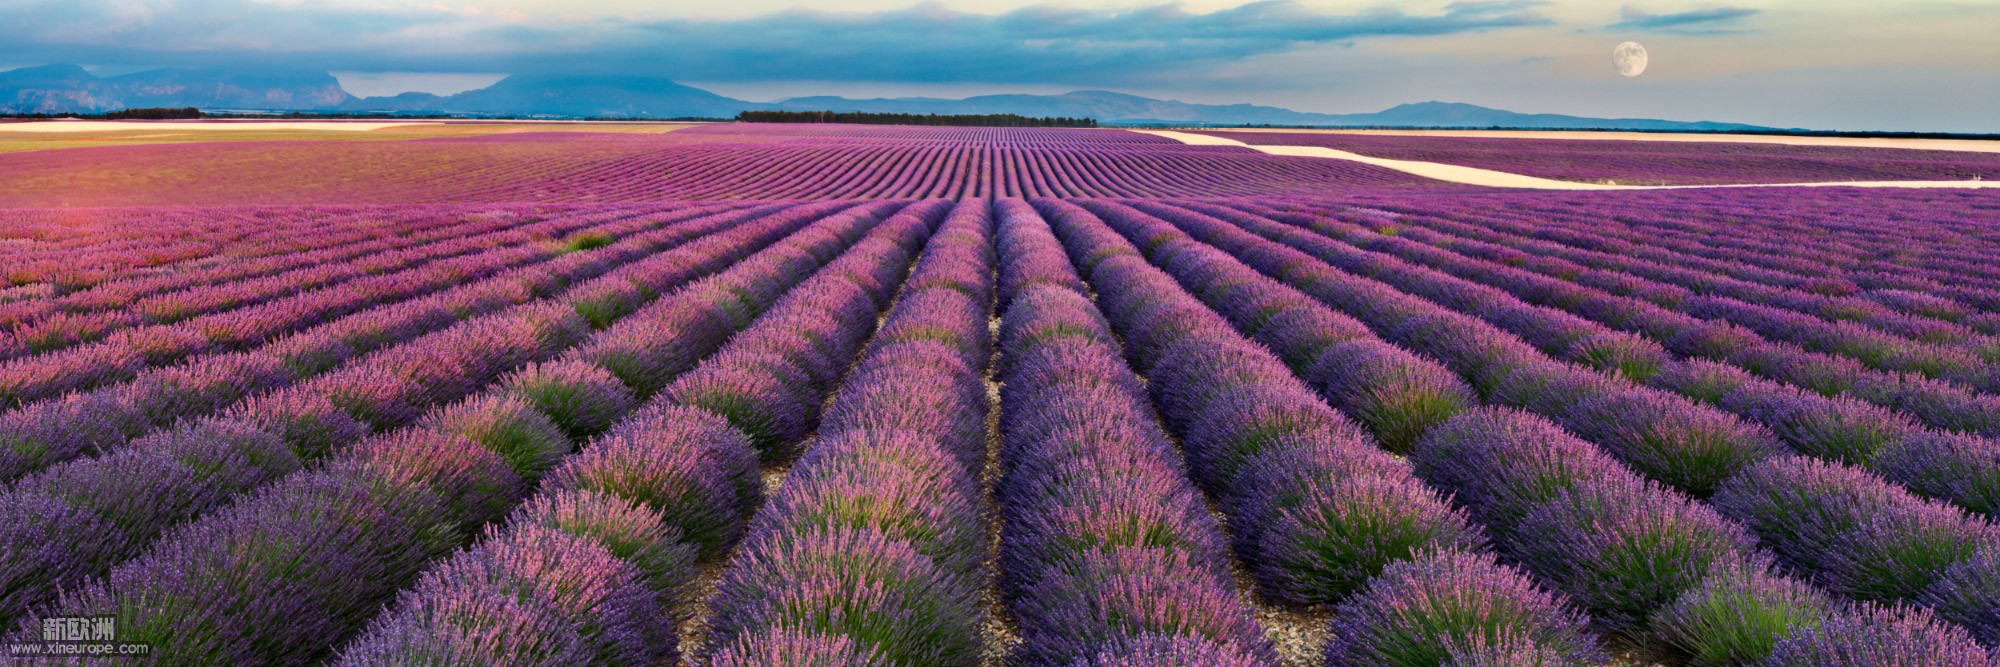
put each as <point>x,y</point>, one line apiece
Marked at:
<point>46,126</point>
<point>1964,145</point>
<point>1452,173</point>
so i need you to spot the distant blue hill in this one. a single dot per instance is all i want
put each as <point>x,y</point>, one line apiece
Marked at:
<point>68,88</point>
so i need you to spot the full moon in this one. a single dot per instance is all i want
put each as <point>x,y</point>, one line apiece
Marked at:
<point>1630,58</point>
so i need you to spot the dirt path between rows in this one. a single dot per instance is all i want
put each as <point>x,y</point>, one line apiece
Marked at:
<point>1500,179</point>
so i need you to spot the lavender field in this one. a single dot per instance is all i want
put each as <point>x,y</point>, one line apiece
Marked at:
<point>741,395</point>
<point>1656,162</point>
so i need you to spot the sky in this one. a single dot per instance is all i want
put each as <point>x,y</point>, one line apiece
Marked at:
<point>1928,65</point>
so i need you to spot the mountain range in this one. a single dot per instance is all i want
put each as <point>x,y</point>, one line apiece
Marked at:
<point>68,88</point>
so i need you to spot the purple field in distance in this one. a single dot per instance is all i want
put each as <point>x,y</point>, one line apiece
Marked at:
<point>851,395</point>
<point>1639,162</point>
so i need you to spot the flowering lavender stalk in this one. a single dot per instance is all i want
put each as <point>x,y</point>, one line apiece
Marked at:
<point>1877,635</point>
<point>1435,608</point>
<point>1623,551</point>
<point>1852,531</point>
<point>1104,540</point>
<point>1968,594</point>
<point>1309,539</point>
<point>1739,612</point>
<point>109,508</point>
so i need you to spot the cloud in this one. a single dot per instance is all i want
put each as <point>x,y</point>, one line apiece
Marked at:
<point>1037,44</point>
<point>1713,21</point>
<point>923,43</point>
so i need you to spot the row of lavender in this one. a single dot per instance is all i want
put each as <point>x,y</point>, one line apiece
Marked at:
<point>50,253</point>
<point>129,254</point>
<point>595,567</point>
<point>1847,413</point>
<point>1108,553</point>
<point>323,545</point>
<point>1900,254</point>
<point>1871,541</point>
<point>63,353</point>
<point>1318,512</point>
<point>872,548</point>
<point>1832,242</point>
<point>343,354</point>
<point>1320,515</point>
<point>1889,329</point>
<point>88,519</point>
<point>177,296</point>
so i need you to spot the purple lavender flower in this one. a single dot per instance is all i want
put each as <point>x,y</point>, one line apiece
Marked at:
<point>45,544</point>
<point>1338,533</point>
<point>1897,553</point>
<point>649,350</point>
<point>857,582</point>
<point>632,532</point>
<point>324,551</point>
<point>1395,394</point>
<point>761,395</point>
<point>508,426</point>
<point>1814,514</point>
<point>1545,387</point>
<point>1873,635</point>
<point>1962,469</point>
<point>1241,421</point>
<point>1700,379</point>
<point>1739,612</point>
<point>945,316</point>
<point>1116,596</point>
<point>200,386</point>
<point>1204,368</point>
<point>1445,606</point>
<point>891,483</point>
<point>1624,551</point>
<point>1501,464</point>
<point>785,645</point>
<point>687,464</point>
<point>1300,335</point>
<point>1631,357</point>
<point>565,591</point>
<point>1673,440</point>
<point>1044,314</point>
<point>49,432</point>
<point>1063,519</point>
<point>312,425</point>
<point>579,397</point>
<point>475,483</point>
<point>1151,650</point>
<point>440,625</point>
<point>1968,594</point>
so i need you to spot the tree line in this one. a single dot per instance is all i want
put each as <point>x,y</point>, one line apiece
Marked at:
<point>956,120</point>
<point>144,113</point>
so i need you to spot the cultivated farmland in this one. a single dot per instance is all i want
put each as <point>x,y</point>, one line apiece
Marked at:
<point>1639,162</point>
<point>803,394</point>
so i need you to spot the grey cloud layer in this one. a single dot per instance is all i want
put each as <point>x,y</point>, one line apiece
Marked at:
<point>924,43</point>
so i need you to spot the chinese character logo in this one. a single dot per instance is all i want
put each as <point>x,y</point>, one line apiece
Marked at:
<point>80,629</point>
